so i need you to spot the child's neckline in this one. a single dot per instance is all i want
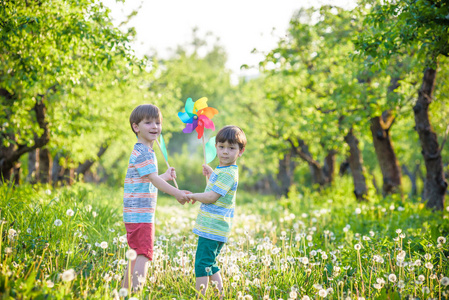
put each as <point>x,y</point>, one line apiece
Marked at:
<point>145,146</point>
<point>226,166</point>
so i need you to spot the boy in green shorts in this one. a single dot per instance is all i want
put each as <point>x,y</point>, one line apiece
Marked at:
<point>214,221</point>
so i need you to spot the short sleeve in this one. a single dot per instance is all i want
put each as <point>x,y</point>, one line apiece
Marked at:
<point>223,184</point>
<point>145,163</point>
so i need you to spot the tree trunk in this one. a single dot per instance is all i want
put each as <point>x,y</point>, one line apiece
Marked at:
<point>316,170</point>
<point>413,176</point>
<point>356,165</point>
<point>32,166</point>
<point>84,167</point>
<point>286,170</point>
<point>391,172</point>
<point>329,166</point>
<point>344,167</point>
<point>44,165</point>
<point>435,184</point>
<point>68,176</point>
<point>11,153</point>
<point>56,170</point>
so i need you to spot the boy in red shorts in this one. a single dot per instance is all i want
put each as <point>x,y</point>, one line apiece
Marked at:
<point>142,183</point>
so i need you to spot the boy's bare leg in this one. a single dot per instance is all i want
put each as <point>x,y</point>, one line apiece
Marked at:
<point>125,277</point>
<point>217,278</point>
<point>139,275</point>
<point>201,284</point>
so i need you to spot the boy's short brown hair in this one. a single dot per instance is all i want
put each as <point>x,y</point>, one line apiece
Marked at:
<point>143,112</point>
<point>231,134</point>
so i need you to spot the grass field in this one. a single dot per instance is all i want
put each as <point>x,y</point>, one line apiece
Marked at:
<point>69,243</point>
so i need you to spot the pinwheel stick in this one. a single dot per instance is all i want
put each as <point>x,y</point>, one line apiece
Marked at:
<point>166,161</point>
<point>204,151</point>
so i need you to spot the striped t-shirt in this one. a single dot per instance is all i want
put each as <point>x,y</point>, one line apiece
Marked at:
<point>140,197</point>
<point>214,220</point>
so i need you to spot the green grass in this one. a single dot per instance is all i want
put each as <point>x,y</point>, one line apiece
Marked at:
<point>279,249</point>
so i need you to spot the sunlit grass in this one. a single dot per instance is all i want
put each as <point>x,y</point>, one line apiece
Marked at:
<point>70,244</point>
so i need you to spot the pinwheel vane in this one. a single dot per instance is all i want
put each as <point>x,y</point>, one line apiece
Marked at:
<point>197,116</point>
<point>163,149</point>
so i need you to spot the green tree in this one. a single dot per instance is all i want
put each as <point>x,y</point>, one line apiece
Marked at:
<point>418,28</point>
<point>54,56</point>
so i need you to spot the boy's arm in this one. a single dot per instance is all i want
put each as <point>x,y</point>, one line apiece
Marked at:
<point>163,186</point>
<point>206,198</point>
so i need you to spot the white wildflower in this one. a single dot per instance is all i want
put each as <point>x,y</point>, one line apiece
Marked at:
<point>131,254</point>
<point>123,292</point>
<point>68,275</point>
<point>444,281</point>
<point>322,293</point>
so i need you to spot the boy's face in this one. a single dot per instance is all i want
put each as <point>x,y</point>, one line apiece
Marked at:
<point>148,130</point>
<point>228,153</point>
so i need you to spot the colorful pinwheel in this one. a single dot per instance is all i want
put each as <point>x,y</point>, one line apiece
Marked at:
<point>197,116</point>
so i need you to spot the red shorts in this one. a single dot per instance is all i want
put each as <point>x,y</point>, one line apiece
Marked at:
<point>141,238</point>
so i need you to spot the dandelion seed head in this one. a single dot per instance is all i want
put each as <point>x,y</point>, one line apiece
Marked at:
<point>123,292</point>
<point>421,277</point>
<point>392,278</point>
<point>322,293</point>
<point>50,283</point>
<point>357,247</point>
<point>444,281</point>
<point>401,255</point>
<point>68,275</point>
<point>104,245</point>
<point>441,240</point>
<point>58,222</point>
<point>131,254</point>
<point>70,212</point>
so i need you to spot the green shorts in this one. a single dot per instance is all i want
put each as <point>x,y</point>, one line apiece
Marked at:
<point>206,257</point>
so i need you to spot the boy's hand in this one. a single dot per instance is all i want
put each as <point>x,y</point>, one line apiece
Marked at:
<point>170,174</point>
<point>207,171</point>
<point>182,197</point>
<point>190,197</point>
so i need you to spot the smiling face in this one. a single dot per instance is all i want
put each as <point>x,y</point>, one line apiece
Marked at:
<point>148,130</point>
<point>228,153</point>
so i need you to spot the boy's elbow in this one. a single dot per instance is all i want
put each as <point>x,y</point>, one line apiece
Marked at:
<point>214,199</point>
